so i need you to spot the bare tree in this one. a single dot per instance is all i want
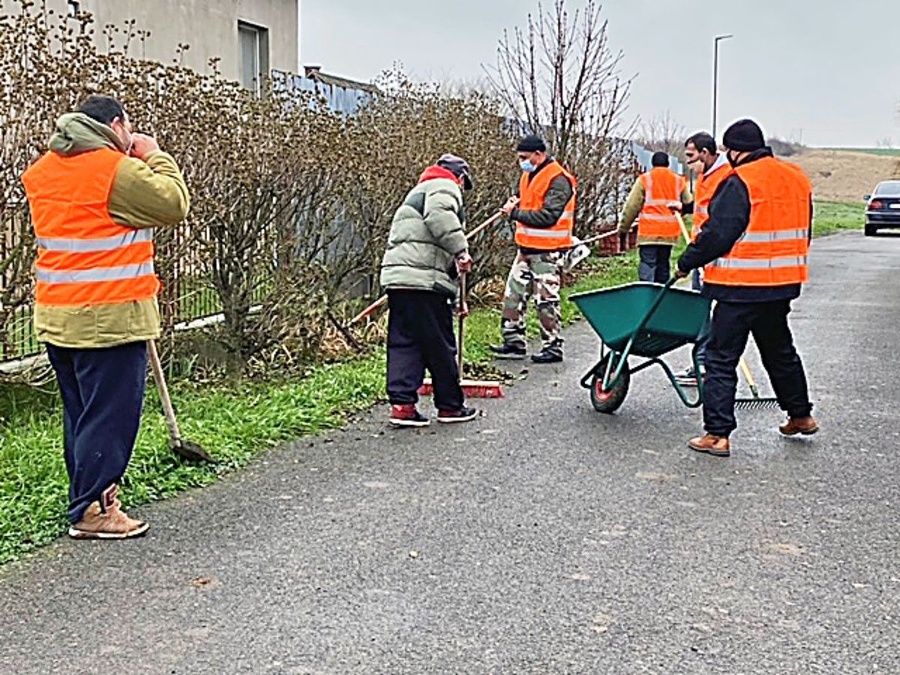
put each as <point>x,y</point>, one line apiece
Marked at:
<point>663,133</point>
<point>558,76</point>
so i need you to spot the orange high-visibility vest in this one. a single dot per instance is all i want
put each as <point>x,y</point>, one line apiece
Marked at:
<point>707,184</point>
<point>774,248</point>
<point>84,257</point>
<point>531,196</point>
<point>656,221</point>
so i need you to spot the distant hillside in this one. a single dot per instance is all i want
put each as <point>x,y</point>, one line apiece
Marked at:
<point>843,175</point>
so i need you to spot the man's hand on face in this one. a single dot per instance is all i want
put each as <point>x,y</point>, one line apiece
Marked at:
<point>510,204</point>
<point>143,146</point>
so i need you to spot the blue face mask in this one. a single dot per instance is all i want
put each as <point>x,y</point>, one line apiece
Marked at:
<point>527,166</point>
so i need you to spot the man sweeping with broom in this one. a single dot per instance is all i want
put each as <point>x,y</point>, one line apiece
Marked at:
<point>426,253</point>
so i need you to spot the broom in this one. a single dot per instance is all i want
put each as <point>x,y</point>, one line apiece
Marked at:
<point>757,402</point>
<point>471,388</point>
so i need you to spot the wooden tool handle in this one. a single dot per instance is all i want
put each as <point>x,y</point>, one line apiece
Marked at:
<point>163,390</point>
<point>461,322</point>
<point>684,230</point>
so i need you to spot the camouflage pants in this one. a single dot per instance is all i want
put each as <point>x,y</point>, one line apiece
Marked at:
<point>536,274</point>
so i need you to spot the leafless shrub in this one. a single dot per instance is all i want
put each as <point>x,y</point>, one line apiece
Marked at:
<point>560,77</point>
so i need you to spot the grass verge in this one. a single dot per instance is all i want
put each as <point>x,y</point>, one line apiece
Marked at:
<point>235,424</point>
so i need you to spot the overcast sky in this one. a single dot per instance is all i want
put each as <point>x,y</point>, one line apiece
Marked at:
<point>826,72</point>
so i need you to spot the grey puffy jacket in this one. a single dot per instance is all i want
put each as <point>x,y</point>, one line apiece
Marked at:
<point>426,236</point>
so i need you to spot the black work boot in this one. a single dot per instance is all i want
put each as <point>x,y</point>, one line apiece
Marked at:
<point>508,351</point>
<point>547,355</point>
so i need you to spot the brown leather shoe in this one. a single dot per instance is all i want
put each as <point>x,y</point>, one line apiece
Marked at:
<point>712,445</point>
<point>799,425</point>
<point>104,519</point>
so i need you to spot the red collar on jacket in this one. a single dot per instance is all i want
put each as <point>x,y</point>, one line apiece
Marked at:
<point>435,171</point>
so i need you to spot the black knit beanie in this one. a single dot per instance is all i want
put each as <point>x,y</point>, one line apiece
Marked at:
<point>532,143</point>
<point>744,136</point>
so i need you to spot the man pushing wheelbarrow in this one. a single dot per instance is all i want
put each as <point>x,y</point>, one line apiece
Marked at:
<point>754,249</point>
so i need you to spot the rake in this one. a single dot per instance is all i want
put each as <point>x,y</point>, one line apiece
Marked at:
<point>757,402</point>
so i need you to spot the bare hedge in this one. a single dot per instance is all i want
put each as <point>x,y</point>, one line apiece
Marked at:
<point>291,202</point>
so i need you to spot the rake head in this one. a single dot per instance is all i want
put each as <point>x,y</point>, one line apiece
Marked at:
<point>757,403</point>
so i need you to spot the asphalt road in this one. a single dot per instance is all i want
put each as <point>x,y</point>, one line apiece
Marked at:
<point>542,538</point>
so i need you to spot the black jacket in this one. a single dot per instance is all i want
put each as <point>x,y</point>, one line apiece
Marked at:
<point>729,216</point>
<point>558,195</point>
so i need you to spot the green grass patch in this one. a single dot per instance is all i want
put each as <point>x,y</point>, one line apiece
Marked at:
<point>831,217</point>
<point>882,152</point>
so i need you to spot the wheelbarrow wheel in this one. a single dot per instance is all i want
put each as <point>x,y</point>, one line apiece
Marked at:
<point>608,401</point>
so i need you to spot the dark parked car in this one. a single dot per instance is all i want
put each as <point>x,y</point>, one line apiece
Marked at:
<point>883,207</point>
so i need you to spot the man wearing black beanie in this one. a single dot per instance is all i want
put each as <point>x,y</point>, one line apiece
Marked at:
<point>754,248</point>
<point>544,215</point>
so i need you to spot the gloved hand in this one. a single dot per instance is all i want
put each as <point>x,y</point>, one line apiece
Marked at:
<point>464,263</point>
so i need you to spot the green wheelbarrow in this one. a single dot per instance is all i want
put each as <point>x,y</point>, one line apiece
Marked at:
<point>643,320</point>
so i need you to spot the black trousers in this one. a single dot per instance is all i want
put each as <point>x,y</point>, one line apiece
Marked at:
<point>732,323</point>
<point>420,336</point>
<point>655,262</point>
<point>102,394</point>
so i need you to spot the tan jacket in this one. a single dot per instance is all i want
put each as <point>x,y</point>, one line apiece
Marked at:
<point>145,193</point>
<point>635,203</point>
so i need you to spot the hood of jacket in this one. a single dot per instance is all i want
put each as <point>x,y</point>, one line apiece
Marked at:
<point>76,133</point>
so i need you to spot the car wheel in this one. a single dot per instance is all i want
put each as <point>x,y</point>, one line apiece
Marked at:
<point>871,230</point>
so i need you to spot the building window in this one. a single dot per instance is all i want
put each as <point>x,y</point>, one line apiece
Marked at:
<point>254,44</point>
<point>74,8</point>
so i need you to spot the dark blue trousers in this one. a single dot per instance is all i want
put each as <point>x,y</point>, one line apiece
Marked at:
<point>102,393</point>
<point>655,262</point>
<point>420,336</point>
<point>703,338</point>
<point>732,323</point>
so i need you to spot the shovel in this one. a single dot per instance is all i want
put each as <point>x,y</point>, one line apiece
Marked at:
<point>183,448</point>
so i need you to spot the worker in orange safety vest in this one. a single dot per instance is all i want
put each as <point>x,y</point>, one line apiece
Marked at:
<point>658,230</point>
<point>754,249</point>
<point>544,217</point>
<point>95,198</point>
<point>713,168</point>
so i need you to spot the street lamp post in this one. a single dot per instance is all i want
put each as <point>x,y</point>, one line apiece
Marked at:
<point>716,79</point>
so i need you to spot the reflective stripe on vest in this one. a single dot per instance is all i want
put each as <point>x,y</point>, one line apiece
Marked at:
<point>774,248</point>
<point>656,221</point>
<point>93,245</point>
<point>756,264</point>
<point>84,257</point>
<point>95,275</point>
<point>532,191</point>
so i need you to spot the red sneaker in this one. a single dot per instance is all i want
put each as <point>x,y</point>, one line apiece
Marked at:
<point>464,414</point>
<point>406,415</point>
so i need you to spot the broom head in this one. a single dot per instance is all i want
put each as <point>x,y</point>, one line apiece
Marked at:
<point>471,388</point>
